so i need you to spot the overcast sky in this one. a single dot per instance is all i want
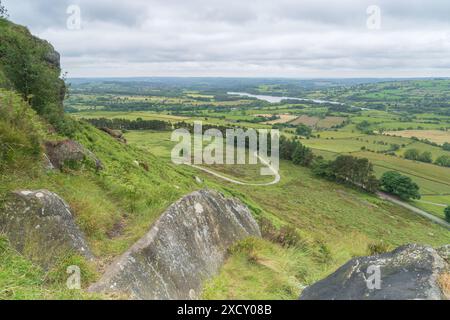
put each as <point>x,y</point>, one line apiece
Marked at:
<point>282,38</point>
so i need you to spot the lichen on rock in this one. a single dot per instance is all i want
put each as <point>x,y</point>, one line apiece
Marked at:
<point>409,272</point>
<point>185,247</point>
<point>69,153</point>
<point>40,225</point>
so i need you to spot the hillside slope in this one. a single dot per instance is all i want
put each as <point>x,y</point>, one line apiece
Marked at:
<point>114,207</point>
<point>309,226</point>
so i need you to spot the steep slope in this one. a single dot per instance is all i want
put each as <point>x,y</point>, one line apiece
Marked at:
<point>113,207</point>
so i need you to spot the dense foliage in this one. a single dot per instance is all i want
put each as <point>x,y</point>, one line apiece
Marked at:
<point>348,169</point>
<point>447,213</point>
<point>125,124</point>
<point>30,66</point>
<point>400,185</point>
<point>19,132</point>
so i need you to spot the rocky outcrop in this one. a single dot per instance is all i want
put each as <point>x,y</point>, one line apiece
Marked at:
<point>409,272</point>
<point>40,225</point>
<point>186,246</point>
<point>70,153</point>
<point>39,69</point>
<point>48,166</point>
<point>116,134</point>
<point>53,57</point>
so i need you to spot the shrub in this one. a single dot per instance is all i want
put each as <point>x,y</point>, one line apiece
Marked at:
<point>31,67</point>
<point>375,248</point>
<point>323,254</point>
<point>443,161</point>
<point>446,146</point>
<point>447,213</point>
<point>425,157</point>
<point>20,131</point>
<point>286,236</point>
<point>412,154</point>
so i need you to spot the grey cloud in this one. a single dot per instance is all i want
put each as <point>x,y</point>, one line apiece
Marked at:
<point>230,37</point>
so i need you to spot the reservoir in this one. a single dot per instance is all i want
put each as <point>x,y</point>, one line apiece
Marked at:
<point>276,99</point>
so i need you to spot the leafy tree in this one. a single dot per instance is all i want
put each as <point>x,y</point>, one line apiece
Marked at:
<point>400,185</point>
<point>321,167</point>
<point>443,161</point>
<point>364,126</point>
<point>447,213</point>
<point>31,67</point>
<point>303,130</point>
<point>302,155</point>
<point>3,11</point>
<point>412,154</point>
<point>425,157</point>
<point>287,148</point>
<point>446,146</point>
<point>347,169</point>
<point>372,184</point>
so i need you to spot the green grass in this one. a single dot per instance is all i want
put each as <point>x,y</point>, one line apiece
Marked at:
<point>123,196</point>
<point>344,220</point>
<point>260,270</point>
<point>122,193</point>
<point>433,204</point>
<point>334,222</point>
<point>21,280</point>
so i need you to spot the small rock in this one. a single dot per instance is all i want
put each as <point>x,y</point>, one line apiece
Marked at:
<point>198,180</point>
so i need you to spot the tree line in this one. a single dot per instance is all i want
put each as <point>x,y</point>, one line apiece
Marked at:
<point>426,156</point>
<point>126,124</point>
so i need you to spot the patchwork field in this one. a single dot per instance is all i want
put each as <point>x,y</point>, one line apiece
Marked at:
<point>306,120</point>
<point>317,122</point>
<point>330,122</point>
<point>284,118</point>
<point>437,136</point>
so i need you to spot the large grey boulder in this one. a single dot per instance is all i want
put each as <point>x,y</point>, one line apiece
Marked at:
<point>70,153</point>
<point>186,246</point>
<point>40,225</point>
<point>410,272</point>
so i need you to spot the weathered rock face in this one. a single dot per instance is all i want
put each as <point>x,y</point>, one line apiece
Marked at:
<point>409,272</point>
<point>53,57</point>
<point>39,224</point>
<point>186,246</point>
<point>68,152</point>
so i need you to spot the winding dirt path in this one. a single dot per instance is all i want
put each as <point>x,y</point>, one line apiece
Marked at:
<point>418,211</point>
<point>271,168</point>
